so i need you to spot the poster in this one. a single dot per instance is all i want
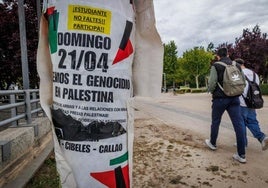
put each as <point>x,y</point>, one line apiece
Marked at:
<point>86,86</point>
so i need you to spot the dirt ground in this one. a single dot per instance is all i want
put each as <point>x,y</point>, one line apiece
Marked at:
<point>168,157</point>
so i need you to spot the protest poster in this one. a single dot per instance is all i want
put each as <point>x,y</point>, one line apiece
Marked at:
<point>88,59</point>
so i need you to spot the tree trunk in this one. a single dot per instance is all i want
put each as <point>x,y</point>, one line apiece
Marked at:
<point>196,81</point>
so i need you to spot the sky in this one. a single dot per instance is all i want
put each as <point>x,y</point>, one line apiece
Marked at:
<point>193,23</point>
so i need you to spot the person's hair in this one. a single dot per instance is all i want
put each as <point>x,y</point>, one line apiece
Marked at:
<point>222,52</point>
<point>240,61</point>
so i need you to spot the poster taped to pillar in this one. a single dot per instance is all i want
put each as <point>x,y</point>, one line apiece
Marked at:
<point>92,58</point>
<point>92,46</point>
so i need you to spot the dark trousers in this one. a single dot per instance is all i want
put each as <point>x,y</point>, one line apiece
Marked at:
<point>232,106</point>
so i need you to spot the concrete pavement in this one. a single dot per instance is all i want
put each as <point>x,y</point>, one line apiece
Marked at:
<point>192,112</point>
<point>171,131</point>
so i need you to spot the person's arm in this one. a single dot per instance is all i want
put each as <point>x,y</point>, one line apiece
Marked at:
<point>213,79</point>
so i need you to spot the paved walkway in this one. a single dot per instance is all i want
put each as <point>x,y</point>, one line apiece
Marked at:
<point>192,111</point>
<point>187,117</point>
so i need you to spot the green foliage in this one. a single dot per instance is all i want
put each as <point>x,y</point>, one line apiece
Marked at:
<point>46,176</point>
<point>170,58</point>
<point>252,46</point>
<point>210,47</point>
<point>10,52</point>
<point>170,62</point>
<point>196,63</point>
<point>186,89</point>
<point>264,89</point>
<point>189,69</point>
<point>199,90</point>
<point>183,90</point>
<point>183,76</point>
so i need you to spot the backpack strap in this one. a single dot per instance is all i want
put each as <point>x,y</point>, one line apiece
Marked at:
<point>248,79</point>
<point>221,63</point>
<point>220,86</point>
<point>254,76</point>
<point>225,65</point>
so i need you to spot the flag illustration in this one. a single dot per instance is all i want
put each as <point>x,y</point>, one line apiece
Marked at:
<point>117,178</point>
<point>53,20</point>
<point>125,48</point>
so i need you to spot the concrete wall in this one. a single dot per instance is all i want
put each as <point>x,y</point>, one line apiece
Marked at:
<point>22,150</point>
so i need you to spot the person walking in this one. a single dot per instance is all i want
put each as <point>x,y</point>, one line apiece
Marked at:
<point>249,115</point>
<point>221,103</point>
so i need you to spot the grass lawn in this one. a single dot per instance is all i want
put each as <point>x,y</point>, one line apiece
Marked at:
<point>47,176</point>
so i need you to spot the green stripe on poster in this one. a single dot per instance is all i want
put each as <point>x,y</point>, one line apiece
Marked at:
<point>119,160</point>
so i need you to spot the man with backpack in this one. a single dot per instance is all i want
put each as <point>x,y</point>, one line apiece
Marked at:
<point>251,100</point>
<point>221,101</point>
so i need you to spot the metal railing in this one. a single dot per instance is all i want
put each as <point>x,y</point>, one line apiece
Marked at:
<point>18,105</point>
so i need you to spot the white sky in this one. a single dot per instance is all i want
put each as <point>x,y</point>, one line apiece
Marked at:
<point>198,22</point>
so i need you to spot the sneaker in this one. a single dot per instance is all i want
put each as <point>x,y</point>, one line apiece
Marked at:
<point>264,143</point>
<point>239,158</point>
<point>211,146</point>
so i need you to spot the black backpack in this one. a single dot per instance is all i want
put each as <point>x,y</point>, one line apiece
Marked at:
<point>253,98</point>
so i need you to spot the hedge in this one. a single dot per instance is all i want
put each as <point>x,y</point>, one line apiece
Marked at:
<point>264,89</point>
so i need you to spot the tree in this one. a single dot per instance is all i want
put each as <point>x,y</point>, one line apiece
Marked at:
<point>196,63</point>
<point>252,46</point>
<point>183,77</point>
<point>170,62</point>
<point>210,47</point>
<point>10,52</point>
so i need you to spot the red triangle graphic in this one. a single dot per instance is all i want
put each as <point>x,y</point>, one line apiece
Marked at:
<point>123,53</point>
<point>125,171</point>
<point>50,10</point>
<point>108,178</point>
